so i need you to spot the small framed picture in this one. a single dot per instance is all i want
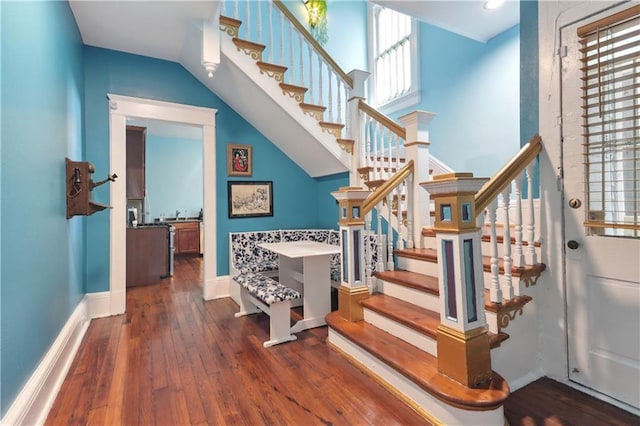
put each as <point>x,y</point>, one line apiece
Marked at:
<point>239,160</point>
<point>250,199</point>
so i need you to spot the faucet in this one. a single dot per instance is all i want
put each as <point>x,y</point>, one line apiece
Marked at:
<point>177,214</point>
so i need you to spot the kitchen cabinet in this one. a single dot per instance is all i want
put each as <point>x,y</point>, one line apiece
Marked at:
<point>136,140</point>
<point>187,238</point>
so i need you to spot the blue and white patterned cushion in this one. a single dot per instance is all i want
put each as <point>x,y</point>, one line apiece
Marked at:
<point>248,257</point>
<point>317,235</point>
<point>266,289</point>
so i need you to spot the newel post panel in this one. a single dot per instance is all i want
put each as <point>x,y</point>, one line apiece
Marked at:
<point>416,147</point>
<point>355,129</point>
<point>353,287</point>
<point>463,342</point>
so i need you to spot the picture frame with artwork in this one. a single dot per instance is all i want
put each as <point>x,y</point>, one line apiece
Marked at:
<point>239,160</point>
<point>250,198</point>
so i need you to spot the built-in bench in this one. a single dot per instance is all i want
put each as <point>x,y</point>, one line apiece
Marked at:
<point>259,293</point>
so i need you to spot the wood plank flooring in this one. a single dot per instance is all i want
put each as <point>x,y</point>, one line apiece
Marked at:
<point>174,359</point>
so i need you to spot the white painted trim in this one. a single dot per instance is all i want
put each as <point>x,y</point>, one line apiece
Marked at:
<point>218,289</point>
<point>419,340</point>
<point>34,401</point>
<point>98,304</point>
<point>121,108</point>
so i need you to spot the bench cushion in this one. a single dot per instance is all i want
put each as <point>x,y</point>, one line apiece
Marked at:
<point>266,289</point>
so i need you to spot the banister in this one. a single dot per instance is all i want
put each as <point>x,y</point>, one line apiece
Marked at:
<point>325,56</point>
<point>383,119</point>
<point>384,189</point>
<point>508,173</point>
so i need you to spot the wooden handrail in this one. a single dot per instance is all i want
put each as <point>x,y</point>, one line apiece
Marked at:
<point>381,118</point>
<point>325,56</point>
<point>508,173</point>
<point>384,189</point>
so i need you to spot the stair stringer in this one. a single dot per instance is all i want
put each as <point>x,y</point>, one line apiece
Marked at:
<point>259,99</point>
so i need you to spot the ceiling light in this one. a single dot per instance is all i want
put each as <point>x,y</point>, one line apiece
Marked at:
<point>493,4</point>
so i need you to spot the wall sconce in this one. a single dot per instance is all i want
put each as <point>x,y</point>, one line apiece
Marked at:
<point>317,19</point>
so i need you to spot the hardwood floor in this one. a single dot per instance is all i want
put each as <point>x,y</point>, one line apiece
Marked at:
<point>175,359</point>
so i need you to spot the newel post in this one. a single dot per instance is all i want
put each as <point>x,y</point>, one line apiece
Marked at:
<point>416,147</point>
<point>353,287</point>
<point>463,343</point>
<point>355,128</point>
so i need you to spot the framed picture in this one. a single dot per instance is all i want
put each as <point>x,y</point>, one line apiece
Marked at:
<point>239,160</point>
<point>250,199</point>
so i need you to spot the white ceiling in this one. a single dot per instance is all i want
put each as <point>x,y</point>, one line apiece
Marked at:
<point>465,17</point>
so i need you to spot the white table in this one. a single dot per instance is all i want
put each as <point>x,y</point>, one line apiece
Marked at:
<point>315,277</point>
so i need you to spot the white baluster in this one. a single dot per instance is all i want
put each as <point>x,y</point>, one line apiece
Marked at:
<point>301,60</point>
<point>330,79</point>
<point>320,81</point>
<point>339,97</point>
<point>507,285</point>
<point>271,48</point>
<point>381,256</point>
<point>390,232</point>
<point>376,162</point>
<point>367,253</point>
<point>222,8</point>
<point>281,44</point>
<point>518,255</point>
<point>291,61</point>
<point>248,21</point>
<point>495,293</point>
<point>531,256</point>
<point>259,5</point>
<point>364,139</point>
<point>410,219</point>
<point>311,85</point>
<point>236,12</point>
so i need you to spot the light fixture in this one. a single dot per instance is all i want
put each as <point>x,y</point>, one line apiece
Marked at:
<point>210,68</point>
<point>317,19</point>
<point>493,4</point>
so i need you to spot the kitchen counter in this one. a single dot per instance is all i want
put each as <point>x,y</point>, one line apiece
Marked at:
<point>147,255</point>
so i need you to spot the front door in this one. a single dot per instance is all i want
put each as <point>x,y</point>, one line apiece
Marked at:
<point>600,58</point>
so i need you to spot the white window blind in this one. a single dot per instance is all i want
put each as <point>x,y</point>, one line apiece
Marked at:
<point>611,111</point>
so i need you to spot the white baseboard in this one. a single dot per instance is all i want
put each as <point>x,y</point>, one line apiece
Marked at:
<point>34,401</point>
<point>98,304</point>
<point>218,289</point>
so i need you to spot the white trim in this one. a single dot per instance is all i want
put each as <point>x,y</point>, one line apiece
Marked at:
<point>34,401</point>
<point>121,108</point>
<point>98,304</point>
<point>220,288</point>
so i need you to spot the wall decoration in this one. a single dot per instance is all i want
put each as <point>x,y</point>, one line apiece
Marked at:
<point>239,160</point>
<point>250,199</point>
<point>317,19</point>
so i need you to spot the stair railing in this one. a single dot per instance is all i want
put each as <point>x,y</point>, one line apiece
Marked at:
<point>498,200</point>
<point>289,44</point>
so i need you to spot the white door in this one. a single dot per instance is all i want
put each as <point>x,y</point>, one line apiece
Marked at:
<point>601,163</point>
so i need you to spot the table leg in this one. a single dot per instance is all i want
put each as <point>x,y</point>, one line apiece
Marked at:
<point>317,292</point>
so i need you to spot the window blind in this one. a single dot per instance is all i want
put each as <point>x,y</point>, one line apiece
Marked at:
<point>610,50</point>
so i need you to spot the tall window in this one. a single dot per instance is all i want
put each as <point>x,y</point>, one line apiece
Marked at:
<point>611,111</point>
<point>394,59</point>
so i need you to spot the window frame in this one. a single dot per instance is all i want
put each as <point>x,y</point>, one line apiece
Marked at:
<point>412,97</point>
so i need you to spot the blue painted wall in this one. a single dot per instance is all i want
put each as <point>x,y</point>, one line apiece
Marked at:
<point>529,102</point>
<point>43,252</point>
<point>327,205</point>
<point>296,202</point>
<point>173,176</point>
<point>473,88</point>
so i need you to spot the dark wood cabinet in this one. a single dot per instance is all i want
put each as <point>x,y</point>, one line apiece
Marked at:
<point>136,140</point>
<point>147,255</point>
<point>187,238</point>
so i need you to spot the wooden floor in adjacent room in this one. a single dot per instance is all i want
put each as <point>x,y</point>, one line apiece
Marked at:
<point>174,359</point>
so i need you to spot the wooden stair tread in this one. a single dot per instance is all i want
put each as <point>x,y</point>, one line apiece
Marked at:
<point>405,313</point>
<point>333,125</point>
<point>431,255</point>
<point>227,20</point>
<point>293,87</point>
<point>246,43</point>
<point>273,67</point>
<point>430,232</point>
<point>312,107</point>
<point>410,279</point>
<point>419,367</point>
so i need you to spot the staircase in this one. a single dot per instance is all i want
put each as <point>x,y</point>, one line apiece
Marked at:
<point>396,342</point>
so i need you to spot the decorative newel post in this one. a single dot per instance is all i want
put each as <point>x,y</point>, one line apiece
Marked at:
<point>353,287</point>
<point>355,127</point>
<point>463,343</point>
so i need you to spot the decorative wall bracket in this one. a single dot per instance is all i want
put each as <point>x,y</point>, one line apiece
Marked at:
<point>79,187</point>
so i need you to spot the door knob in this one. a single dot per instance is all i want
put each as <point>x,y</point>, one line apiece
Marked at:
<point>575,203</point>
<point>573,244</point>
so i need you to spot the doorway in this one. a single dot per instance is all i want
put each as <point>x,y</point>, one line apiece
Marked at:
<point>122,108</point>
<point>601,164</point>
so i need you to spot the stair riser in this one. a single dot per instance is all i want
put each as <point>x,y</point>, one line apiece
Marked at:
<point>430,242</point>
<point>431,268</point>
<point>438,411</point>
<point>420,298</point>
<point>409,335</point>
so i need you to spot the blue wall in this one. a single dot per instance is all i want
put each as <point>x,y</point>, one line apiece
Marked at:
<point>529,102</point>
<point>173,176</point>
<point>43,252</point>
<point>295,201</point>
<point>473,88</point>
